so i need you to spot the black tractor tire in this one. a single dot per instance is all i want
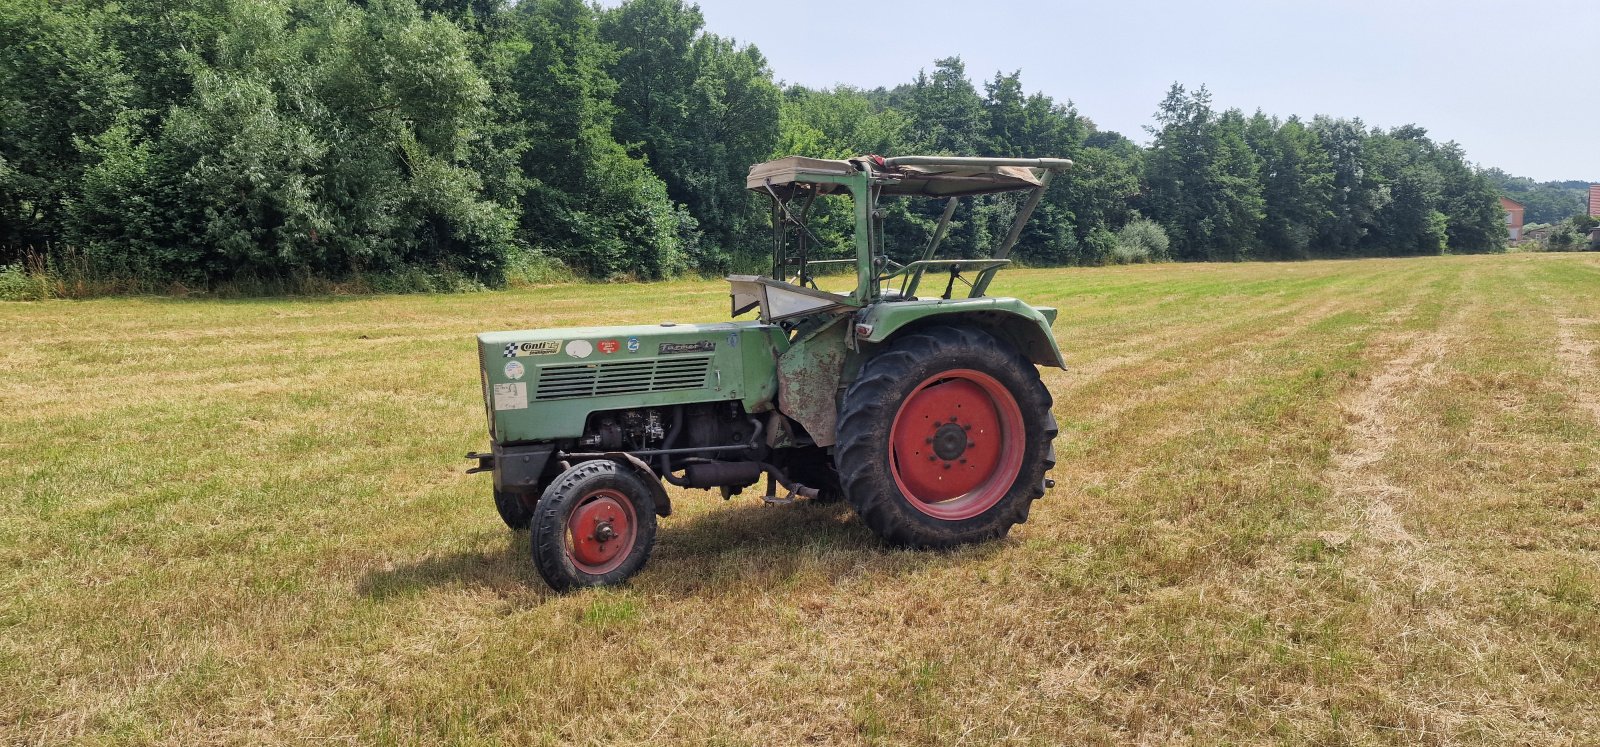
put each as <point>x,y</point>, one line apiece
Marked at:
<point>514,510</point>
<point>900,386</point>
<point>569,548</point>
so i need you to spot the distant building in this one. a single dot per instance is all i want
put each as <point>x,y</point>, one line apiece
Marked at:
<point>1514,212</point>
<point>1594,199</point>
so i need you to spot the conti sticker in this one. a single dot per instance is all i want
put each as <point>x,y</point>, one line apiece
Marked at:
<point>511,396</point>
<point>674,348</point>
<point>608,346</point>
<point>580,348</point>
<point>543,347</point>
<point>514,370</point>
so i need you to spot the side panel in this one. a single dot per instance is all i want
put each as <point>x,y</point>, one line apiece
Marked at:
<point>1024,326</point>
<point>762,345</point>
<point>542,385</point>
<point>808,379</point>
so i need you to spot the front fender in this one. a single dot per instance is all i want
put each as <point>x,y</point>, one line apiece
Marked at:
<point>1023,326</point>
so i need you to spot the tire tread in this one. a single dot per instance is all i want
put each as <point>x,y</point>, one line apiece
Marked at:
<point>870,404</point>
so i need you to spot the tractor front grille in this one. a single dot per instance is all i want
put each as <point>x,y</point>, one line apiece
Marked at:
<point>569,380</point>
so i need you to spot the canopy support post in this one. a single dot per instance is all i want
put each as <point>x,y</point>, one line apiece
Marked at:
<point>1004,251</point>
<point>933,243</point>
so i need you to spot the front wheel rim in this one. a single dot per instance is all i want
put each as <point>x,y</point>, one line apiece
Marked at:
<point>601,531</point>
<point>956,444</point>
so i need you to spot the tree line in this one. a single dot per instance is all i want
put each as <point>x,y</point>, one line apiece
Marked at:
<point>208,141</point>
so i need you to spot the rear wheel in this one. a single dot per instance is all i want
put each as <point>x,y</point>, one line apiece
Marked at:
<point>594,526</point>
<point>945,438</point>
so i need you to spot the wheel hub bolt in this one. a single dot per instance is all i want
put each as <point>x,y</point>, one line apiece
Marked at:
<point>604,532</point>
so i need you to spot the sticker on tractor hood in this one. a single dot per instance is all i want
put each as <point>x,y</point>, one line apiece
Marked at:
<point>580,348</point>
<point>514,370</point>
<point>511,396</point>
<point>543,347</point>
<point>673,348</point>
<point>633,344</point>
<point>608,346</point>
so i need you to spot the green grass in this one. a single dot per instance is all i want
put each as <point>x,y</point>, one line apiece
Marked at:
<point>1329,502</point>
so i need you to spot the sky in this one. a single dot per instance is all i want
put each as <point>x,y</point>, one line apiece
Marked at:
<point>1517,84</point>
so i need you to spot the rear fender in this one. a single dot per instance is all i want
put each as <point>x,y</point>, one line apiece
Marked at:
<point>1027,328</point>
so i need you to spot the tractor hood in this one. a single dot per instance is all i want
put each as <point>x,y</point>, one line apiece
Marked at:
<point>541,385</point>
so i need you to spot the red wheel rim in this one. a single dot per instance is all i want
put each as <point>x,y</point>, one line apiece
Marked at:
<point>601,530</point>
<point>956,444</point>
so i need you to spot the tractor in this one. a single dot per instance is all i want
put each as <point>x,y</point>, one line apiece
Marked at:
<point>920,406</point>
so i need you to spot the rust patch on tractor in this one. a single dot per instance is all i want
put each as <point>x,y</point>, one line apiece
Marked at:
<point>808,380</point>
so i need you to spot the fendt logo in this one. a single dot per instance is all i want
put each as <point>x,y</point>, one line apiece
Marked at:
<point>673,348</point>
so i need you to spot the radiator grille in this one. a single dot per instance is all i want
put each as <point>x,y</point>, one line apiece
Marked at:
<point>565,381</point>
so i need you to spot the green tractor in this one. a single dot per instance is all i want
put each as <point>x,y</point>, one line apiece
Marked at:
<point>920,405</point>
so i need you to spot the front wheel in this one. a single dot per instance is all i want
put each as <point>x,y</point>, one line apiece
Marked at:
<point>594,526</point>
<point>945,438</point>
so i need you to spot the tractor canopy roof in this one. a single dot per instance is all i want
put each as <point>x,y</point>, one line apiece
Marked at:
<point>927,176</point>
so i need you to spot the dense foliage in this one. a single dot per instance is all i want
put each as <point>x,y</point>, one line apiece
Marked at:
<point>206,141</point>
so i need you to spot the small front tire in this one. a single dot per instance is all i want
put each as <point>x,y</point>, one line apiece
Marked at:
<point>514,511</point>
<point>594,526</point>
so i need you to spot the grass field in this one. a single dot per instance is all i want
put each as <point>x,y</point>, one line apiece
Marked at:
<point>1331,502</point>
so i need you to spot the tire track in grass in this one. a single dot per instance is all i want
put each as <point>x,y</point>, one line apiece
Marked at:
<point>1357,482</point>
<point>1354,476</point>
<point>1216,353</point>
<point>1159,335</point>
<point>1370,434</point>
<point>1397,569</point>
<point>1576,355</point>
<point>1176,334</point>
<point>1097,428</point>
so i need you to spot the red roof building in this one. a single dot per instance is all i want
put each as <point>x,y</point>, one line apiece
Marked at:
<point>1514,212</point>
<point>1594,199</point>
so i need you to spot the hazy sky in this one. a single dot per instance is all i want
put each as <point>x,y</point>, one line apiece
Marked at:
<point>1516,83</point>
